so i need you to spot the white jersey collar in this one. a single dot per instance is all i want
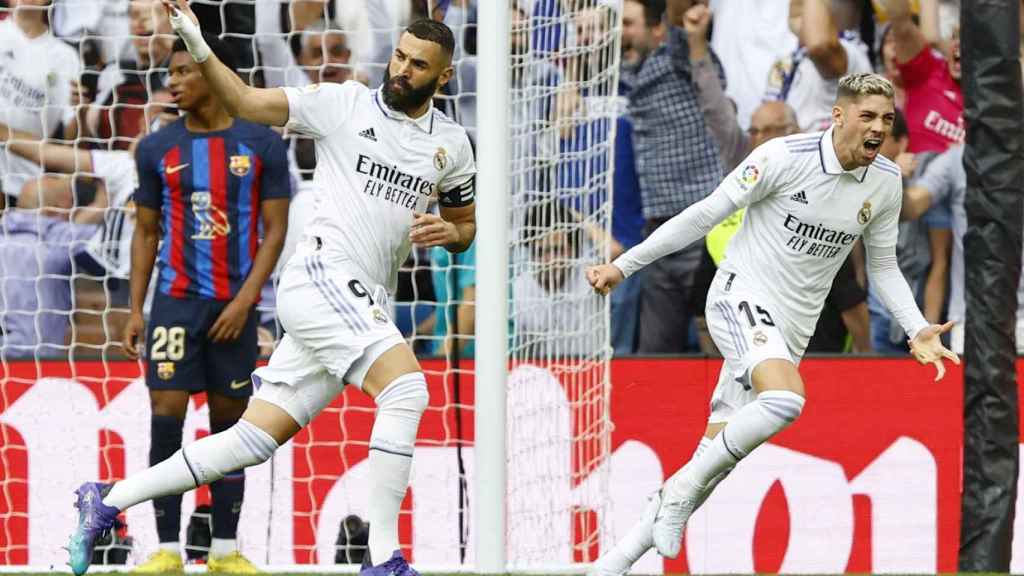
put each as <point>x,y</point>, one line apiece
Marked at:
<point>425,122</point>
<point>830,161</point>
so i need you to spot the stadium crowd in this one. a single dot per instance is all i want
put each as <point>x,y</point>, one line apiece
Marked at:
<point>700,84</point>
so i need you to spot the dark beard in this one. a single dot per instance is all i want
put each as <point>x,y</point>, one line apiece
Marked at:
<point>412,98</point>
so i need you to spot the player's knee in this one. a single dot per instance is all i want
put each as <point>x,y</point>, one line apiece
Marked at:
<point>407,393</point>
<point>782,404</point>
<point>255,445</point>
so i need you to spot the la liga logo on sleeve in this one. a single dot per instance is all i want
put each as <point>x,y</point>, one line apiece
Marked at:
<point>748,177</point>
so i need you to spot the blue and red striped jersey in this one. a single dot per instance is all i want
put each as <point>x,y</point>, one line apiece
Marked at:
<point>208,187</point>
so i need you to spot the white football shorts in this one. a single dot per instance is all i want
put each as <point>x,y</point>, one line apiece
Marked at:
<point>743,325</point>
<point>336,328</point>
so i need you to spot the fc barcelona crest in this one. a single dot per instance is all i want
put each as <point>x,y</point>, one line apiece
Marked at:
<point>165,370</point>
<point>440,159</point>
<point>240,165</point>
<point>864,214</point>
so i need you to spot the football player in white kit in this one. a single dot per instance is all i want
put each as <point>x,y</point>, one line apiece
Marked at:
<point>809,197</point>
<point>383,156</point>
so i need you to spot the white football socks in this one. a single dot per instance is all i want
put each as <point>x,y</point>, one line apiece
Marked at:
<point>222,547</point>
<point>173,547</point>
<point>638,540</point>
<point>769,414</point>
<point>399,408</point>
<point>201,462</point>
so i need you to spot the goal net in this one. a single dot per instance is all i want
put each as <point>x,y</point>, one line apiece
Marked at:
<point>73,407</point>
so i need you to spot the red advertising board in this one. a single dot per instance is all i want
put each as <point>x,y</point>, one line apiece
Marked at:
<point>866,481</point>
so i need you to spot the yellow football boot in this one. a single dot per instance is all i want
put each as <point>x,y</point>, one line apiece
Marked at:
<point>233,563</point>
<point>161,562</point>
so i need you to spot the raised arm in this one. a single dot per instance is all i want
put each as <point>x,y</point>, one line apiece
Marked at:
<point>261,105</point>
<point>820,36</point>
<point>929,21</point>
<point>916,201</point>
<point>719,112</point>
<point>909,39</point>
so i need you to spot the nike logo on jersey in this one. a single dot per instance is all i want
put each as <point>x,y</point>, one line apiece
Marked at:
<point>369,134</point>
<point>800,197</point>
<point>238,384</point>
<point>175,169</point>
<point>950,94</point>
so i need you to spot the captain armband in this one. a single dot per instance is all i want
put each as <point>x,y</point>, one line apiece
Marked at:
<point>459,196</point>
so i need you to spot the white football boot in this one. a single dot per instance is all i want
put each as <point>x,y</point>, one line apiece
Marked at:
<point>670,521</point>
<point>614,562</point>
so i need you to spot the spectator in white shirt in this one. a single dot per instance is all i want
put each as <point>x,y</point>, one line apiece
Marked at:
<point>766,38</point>
<point>37,72</point>
<point>808,79</point>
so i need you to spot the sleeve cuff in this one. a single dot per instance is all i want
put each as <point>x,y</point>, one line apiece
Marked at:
<point>292,94</point>
<point>622,264</point>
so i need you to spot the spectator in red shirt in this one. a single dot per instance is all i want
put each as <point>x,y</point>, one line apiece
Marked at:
<point>931,81</point>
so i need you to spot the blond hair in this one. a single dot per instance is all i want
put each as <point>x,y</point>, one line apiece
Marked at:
<point>864,84</point>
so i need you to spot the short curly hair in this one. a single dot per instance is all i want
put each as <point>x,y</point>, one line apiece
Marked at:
<point>854,86</point>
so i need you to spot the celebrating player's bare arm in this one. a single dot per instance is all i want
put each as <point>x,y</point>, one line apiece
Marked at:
<point>262,105</point>
<point>454,229</point>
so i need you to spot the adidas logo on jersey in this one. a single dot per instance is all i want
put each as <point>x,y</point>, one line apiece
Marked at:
<point>800,197</point>
<point>369,135</point>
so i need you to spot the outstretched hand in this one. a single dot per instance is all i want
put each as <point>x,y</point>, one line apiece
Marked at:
<point>927,348</point>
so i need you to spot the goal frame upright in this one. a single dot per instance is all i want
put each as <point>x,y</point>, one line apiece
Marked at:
<point>492,215</point>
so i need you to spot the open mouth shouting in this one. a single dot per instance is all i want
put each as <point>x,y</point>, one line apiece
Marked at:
<point>871,147</point>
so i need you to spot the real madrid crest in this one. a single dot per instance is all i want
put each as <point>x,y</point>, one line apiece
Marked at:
<point>165,370</point>
<point>760,339</point>
<point>864,214</point>
<point>379,316</point>
<point>440,159</point>
<point>240,165</point>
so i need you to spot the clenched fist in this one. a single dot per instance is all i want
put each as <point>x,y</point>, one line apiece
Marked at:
<point>604,277</point>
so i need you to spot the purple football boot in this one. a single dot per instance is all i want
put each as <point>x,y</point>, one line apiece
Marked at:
<point>94,519</point>
<point>395,566</point>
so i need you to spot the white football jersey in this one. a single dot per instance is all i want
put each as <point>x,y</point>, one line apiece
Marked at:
<point>804,214</point>
<point>375,168</point>
<point>111,246</point>
<point>35,93</point>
